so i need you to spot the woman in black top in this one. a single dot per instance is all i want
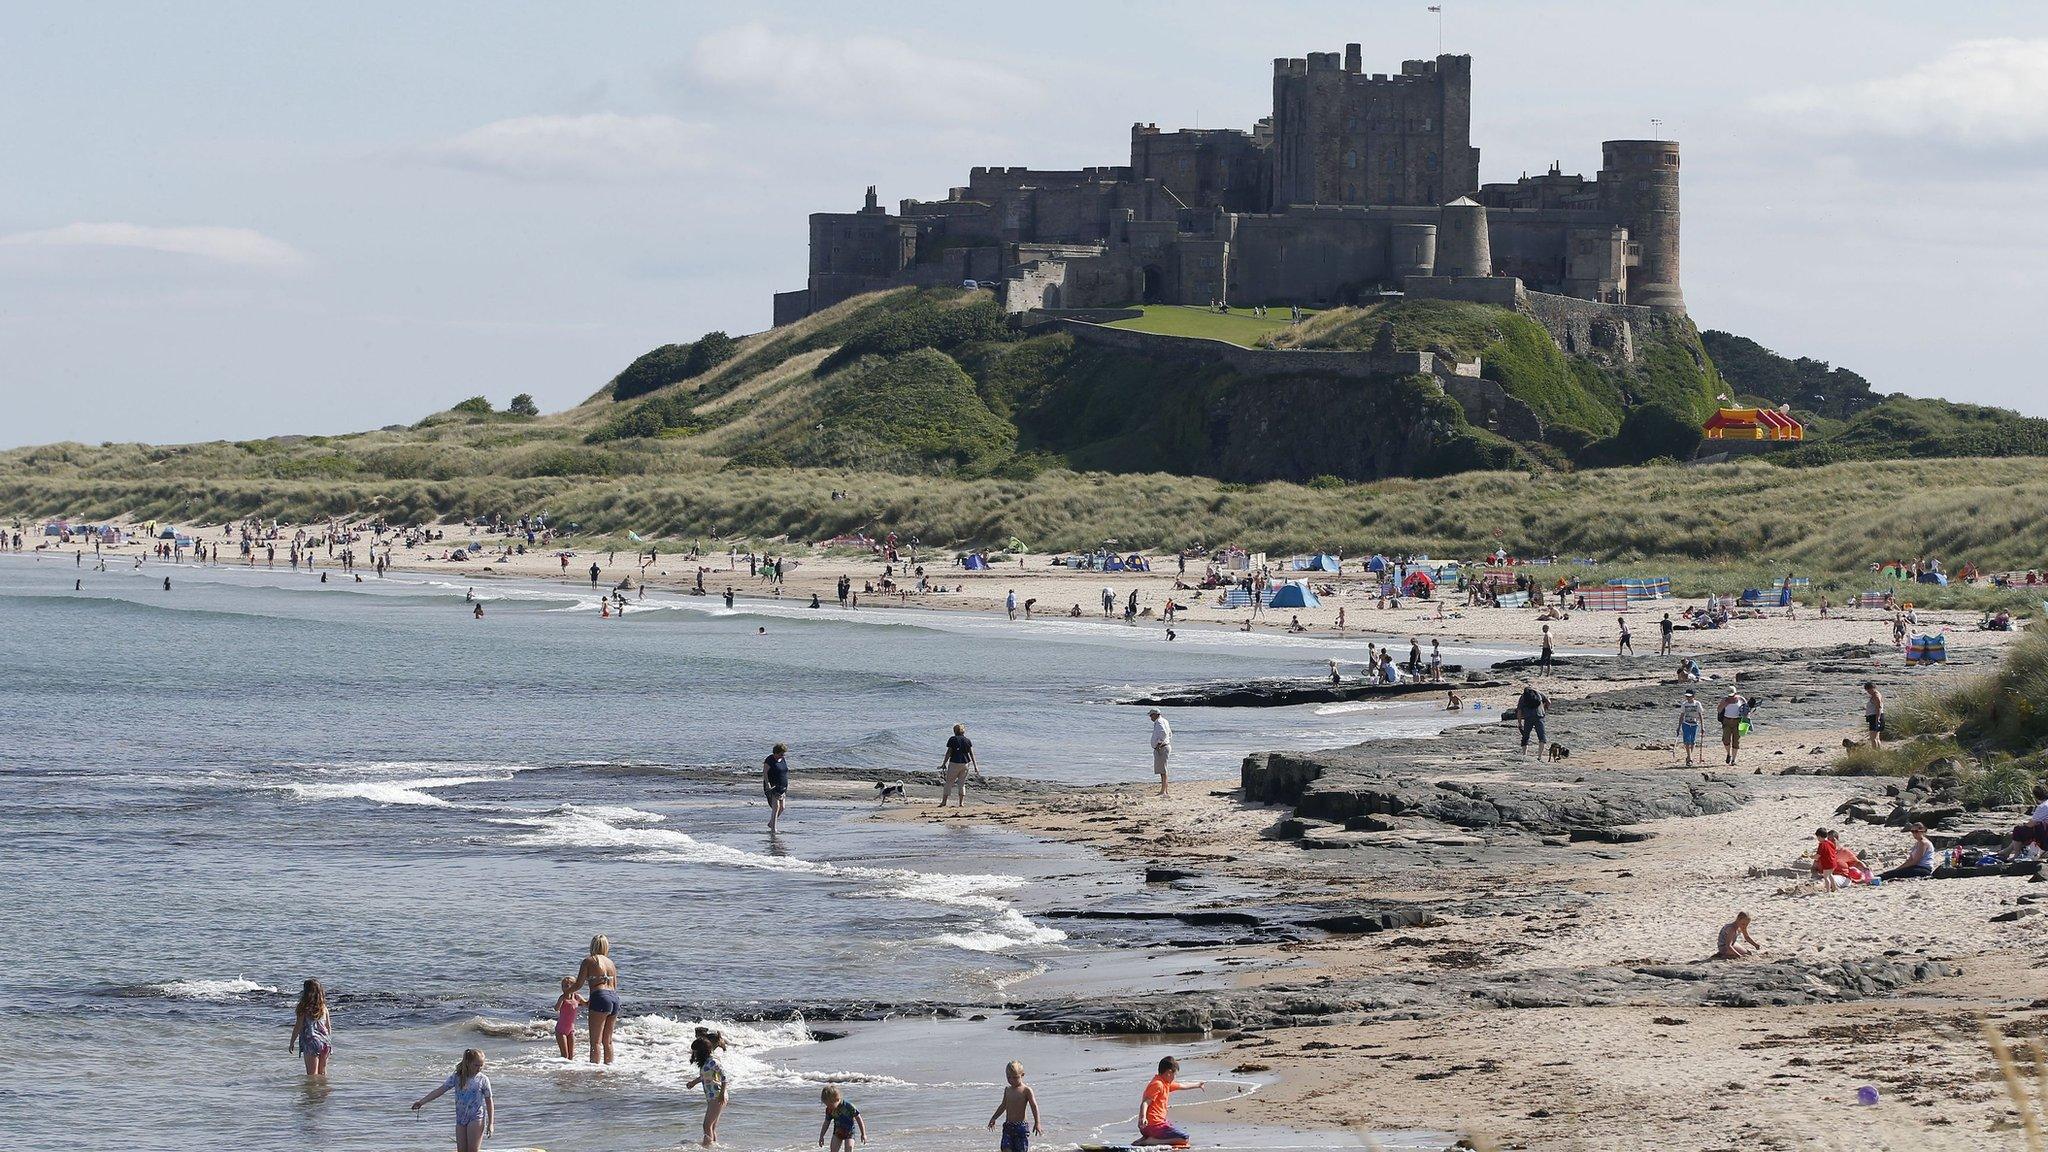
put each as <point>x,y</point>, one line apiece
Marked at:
<point>954,768</point>
<point>775,782</point>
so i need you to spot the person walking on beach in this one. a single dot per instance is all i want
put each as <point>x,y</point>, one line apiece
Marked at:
<point>1732,710</point>
<point>1529,713</point>
<point>1162,747</point>
<point>775,783</point>
<point>1664,628</point>
<point>1544,661</point>
<point>1010,603</point>
<point>1018,1099</point>
<point>1690,714</point>
<point>1108,602</point>
<point>312,1031</point>
<point>1436,663</point>
<point>1627,644</point>
<point>475,1113</point>
<point>601,976</point>
<point>1873,714</point>
<point>711,1078</point>
<point>958,761</point>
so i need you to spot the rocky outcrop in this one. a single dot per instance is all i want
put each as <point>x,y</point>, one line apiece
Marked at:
<point>1704,983</point>
<point>1279,693</point>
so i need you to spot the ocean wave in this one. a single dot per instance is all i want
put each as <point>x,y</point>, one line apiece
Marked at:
<point>574,828</point>
<point>656,1049</point>
<point>390,792</point>
<point>214,991</point>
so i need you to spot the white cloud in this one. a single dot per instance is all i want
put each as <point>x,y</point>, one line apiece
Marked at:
<point>855,75</point>
<point>243,247</point>
<point>1977,94</point>
<point>594,146</point>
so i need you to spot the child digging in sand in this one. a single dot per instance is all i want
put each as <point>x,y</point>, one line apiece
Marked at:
<point>565,1018</point>
<point>1017,1099</point>
<point>842,1119</point>
<point>1153,1128</point>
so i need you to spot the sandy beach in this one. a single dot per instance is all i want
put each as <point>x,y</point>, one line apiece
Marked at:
<point>1596,1054</point>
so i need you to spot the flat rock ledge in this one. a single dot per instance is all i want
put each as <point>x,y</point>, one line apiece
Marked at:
<point>1423,994</point>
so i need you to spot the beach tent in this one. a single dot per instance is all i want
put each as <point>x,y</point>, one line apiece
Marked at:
<point>1927,650</point>
<point>1112,564</point>
<point>1376,564</point>
<point>974,563</point>
<point>1752,424</point>
<point>1016,545</point>
<point>1320,562</point>
<point>1934,578</point>
<point>1417,579</point>
<point>1294,596</point>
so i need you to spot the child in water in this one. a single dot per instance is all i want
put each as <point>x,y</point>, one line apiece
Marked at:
<point>711,1077</point>
<point>312,1032</point>
<point>1017,1098</point>
<point>565,1018</point>
<point>843,1119</point>
<point>475,1115</point>
<point>1153,1127</point>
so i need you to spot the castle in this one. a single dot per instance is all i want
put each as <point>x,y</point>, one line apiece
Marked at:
<point>1357,184</point>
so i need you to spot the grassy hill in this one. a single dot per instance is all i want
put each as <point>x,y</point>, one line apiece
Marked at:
<point>928,412</point>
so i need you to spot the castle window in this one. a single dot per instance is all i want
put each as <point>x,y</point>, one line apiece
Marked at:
<point>1351,159</point>
<point>1423,125</point>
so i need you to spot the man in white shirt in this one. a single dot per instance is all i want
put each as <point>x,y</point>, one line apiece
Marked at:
<point>1162,747</point>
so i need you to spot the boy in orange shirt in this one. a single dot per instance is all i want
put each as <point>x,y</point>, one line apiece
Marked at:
<point>1152,1125</point>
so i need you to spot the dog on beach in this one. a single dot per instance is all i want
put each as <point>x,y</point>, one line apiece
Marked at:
<point>1559,752</point>
<point>887,792</point>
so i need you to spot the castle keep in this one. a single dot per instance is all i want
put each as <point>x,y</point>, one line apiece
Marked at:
<point>1357,184</point>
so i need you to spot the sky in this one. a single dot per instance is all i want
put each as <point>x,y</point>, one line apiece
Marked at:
<point>227,220</point>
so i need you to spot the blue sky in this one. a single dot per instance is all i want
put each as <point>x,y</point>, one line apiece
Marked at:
<point>230,220</point>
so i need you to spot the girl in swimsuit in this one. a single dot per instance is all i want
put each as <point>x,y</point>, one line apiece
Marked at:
<point>602,977</point>
<point>312,1033</point>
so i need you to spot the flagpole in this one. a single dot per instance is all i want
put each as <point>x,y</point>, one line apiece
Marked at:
<point>1439,10</point>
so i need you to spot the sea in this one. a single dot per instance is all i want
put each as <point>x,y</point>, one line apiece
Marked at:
<point>211,793</point>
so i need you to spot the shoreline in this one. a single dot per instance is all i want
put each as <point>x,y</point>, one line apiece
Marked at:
<point>1569,912</point>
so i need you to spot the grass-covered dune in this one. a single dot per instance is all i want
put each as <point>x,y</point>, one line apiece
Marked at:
<point>929,414</point>
<point>1747,520</point>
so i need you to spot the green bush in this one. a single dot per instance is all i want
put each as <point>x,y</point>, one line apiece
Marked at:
<point>657,369</point>
<point>523,405</point>
<point>474,406</point>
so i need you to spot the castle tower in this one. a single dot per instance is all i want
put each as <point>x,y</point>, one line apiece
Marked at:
<point>1413,251</point>
<point>1463,246</point>
<point>1345,136</point>
<point>1639,190</point>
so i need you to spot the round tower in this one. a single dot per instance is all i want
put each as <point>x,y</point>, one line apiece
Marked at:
<point>1639,190</point>
<point>1462,245</point>
<point>1413,251</point>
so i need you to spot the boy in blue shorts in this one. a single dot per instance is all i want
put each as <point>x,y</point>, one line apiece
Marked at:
<point>1017,1098</point>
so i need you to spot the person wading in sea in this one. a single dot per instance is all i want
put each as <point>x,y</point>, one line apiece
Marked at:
<point>775,782</point>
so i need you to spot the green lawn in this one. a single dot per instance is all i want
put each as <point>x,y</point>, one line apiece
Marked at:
<point>1238,326</point>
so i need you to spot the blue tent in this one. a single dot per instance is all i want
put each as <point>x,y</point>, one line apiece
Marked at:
<point>1376,564</point>
<point>974,563</point>
<point>1294,596</point>
<point>1320,562</point>
<point>1934,578</point>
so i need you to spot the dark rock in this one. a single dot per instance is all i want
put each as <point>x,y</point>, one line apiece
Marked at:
<point>1157,875</point>
<point>1279,693</point>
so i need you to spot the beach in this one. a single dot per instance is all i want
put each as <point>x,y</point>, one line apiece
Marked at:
<point>1528,978</point>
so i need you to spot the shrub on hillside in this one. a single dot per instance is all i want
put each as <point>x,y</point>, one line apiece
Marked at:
<point>474,406</point>
<point>922,322</point>
<point>919,409</point>
<point>523,405</point>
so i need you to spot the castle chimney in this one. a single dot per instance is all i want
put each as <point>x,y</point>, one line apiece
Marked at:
<point>872,205</point>
<point>1354,58</point>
